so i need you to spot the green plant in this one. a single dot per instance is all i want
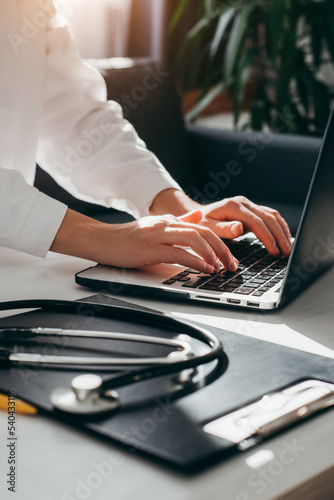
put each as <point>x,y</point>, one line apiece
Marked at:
<point>281,45</point>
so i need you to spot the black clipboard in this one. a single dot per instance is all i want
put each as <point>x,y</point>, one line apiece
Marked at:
<point>163,427</point>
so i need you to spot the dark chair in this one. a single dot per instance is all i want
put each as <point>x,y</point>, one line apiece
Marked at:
<point>271,169</point>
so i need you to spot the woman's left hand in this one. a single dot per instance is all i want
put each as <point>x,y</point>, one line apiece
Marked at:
<point>235,216</point>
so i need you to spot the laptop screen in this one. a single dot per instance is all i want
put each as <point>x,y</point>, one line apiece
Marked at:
<point>313,251</point>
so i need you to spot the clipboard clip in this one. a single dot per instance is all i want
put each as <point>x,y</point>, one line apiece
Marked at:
<point>273,412</point>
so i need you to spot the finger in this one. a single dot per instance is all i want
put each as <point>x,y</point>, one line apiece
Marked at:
<point>254,223</point>
<point>205,243</point>
<point>190,237</point>
<point>266,223</point>
<point>193,217</point>
<point>227,230</point>
<point>260,222</point>
<point>222,251</point>
<point>283,225</point>
<point>273,221</point>
<point>174,255</point>
<point>286,231</point>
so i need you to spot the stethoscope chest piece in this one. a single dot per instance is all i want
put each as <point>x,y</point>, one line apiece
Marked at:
<point>85,397</point>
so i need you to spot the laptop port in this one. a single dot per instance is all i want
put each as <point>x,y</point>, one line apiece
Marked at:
<point>207,298</point>
<point>234,301</point>
<point>253,304</point>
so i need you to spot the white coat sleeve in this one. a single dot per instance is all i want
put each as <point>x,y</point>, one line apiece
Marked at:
<point>85,143</point>
<point>29,220</point>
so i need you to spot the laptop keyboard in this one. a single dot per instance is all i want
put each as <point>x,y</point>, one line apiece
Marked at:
<point>257,273</point>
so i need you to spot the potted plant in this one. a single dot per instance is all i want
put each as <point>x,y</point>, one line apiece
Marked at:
<point>279,48</point>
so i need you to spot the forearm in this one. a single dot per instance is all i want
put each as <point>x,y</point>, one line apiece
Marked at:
<point>78,236</point>
<point>137,244</point>
<point>172,201</point>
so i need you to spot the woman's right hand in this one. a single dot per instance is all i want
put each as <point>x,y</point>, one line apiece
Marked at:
<point>147,241</point>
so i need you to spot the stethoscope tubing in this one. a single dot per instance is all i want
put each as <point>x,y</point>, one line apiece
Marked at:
<point>160,320</point>
<point>24,334</point>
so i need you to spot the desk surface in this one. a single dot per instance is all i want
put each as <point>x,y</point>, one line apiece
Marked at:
<point>57,462</point>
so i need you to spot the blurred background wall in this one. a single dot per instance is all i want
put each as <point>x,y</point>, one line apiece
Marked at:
<point>133,28</point>
<point>100,27</point>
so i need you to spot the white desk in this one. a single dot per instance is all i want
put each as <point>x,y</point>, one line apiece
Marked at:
<point>53,459</point>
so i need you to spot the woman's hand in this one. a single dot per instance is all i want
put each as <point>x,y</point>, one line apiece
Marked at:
<point>231,218</point>
<point>150,240</point>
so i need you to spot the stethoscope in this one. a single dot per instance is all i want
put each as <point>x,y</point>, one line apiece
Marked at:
<point>90,394</point>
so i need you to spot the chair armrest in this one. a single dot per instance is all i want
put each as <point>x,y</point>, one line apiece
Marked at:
<point>262,166</point>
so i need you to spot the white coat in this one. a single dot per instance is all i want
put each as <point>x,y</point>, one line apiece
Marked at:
<point>53,111</point>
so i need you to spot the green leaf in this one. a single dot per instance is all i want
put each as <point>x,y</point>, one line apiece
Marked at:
<point>202,24</point>
<point>304,81</point>
<point>223,23</point>
<point>329,26</point>
<point>190,48</point>
<point>246,63</point>
<point>179,57</point>
<point>276,11</point>
<point>322,104</point>
<point>210,77</point>
<point>237,36</point>
<point>198,28</point>
<point>315,19</point>
<point>208,7</point>
<point>286,70</point>
<point>257,115</point>
<point>205,101</point>
<point>196,69</point>
<point>178,14</point>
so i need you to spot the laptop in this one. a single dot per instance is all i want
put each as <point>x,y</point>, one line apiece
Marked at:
<point>261,281</point>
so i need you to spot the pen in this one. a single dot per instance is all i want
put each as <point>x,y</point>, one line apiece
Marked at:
<point>20,406</point>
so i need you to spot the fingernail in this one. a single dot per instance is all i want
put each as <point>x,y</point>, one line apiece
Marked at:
<point>217,266</point>
<point>287,251</point>
<point>276,248</point>
<point>235,229</point>
<point>209,269</point>
<point>234,265</point>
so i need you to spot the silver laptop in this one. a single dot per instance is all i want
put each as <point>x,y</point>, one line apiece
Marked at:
<point>261,281</point>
